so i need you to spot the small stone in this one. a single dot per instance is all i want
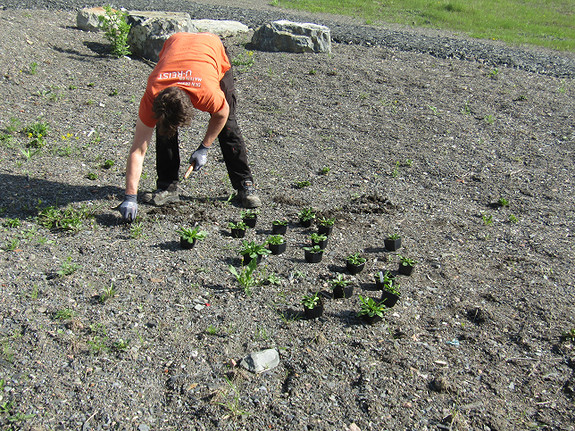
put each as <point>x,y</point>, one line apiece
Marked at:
<point>259,362</point>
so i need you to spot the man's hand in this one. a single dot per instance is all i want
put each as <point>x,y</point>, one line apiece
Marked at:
<point>129,208</point>
<point>199,157</point>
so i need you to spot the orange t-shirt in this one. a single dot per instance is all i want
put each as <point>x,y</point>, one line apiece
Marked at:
<point>195,62</point>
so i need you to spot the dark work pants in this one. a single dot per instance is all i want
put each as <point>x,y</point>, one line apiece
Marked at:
<point>231,143</point>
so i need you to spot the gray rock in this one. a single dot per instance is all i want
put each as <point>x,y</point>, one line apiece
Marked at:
<point>264,360</point>
<point>291,36</point>
<point>151,29</point>
<point>223,28</point>
<point>87,19</point>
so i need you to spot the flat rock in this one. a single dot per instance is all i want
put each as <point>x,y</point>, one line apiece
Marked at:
<point>259,362</point>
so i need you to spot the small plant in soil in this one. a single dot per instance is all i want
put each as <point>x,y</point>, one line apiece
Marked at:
<point>325,225</point>
<point>503,202</point>
<point>246,277</point>
<point>355,263</point>
<point>406,265</point>
<point>371,310</point>
<point>276,244</point>
<point>392,242</point>
<point>340,287</point>
<point>312,305</point>
<point>136,229</point>
<point>325,170</point>
<point>250,251</point>
<point>250,217</point>
<point>189,236</point>
<point>238,229</point>
<point>279,227</point>
<point>569,335</point>
<point>390,289</point>
<point>302,184</point>
<point>67,219</point>
<point>313,254</point>
<point>306,217</point>
<point>12,223</point>
<point>116,30</point>
<point>67,268</point>
<point>108,293</point>
<point>318,239</point>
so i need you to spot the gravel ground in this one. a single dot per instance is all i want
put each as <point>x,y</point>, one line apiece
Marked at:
<point>114,326</point>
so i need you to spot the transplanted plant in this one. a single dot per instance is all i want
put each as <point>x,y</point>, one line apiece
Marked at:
<point>311,301</point>
<point>339,281</point>
<point>306,215</point>
<point>314,249</point>
<point>317,238</point>
<point>324,221</point>
<point>406,261</point>
<point>237,225</point>
<point>245,277</point>
<point>275,240</point>
<point>355,259</point>
<point>116,30</point>
<point>252,250</point>
<point>370,307</point>
<point>281,222</point>
<point>192,234</point>
<point>249,213</point>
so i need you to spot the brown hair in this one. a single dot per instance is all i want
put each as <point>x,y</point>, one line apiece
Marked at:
<point>172,109</point>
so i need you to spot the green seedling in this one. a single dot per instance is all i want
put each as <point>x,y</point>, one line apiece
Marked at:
<point>192,234</point>
<point>325,170</point>
<point>302,184</point>
<point>369,307</point>
<point>406,261</point>
<point>249,214</point>
<point>314,249</point>
<point>246,277</point>
<point>310,301</point>
<point>12,223</point>
<point>323,221</point>
<point>67,267</point>
<point>108,164</point>
<point>67,219</point>
<point>65,314</point>
<point>307,214</point>
<point>275,240</point>
<point>503,202</point>
<point>239,225</point>
<point>487,219</point>
<point>108,293</point>
<point>116,30</point>
<point>136,230</point>
<point>339,281</point>
<point>355,259</point>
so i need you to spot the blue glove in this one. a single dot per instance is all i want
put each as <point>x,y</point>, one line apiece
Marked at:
<point>129,208</point>
<point>199,157</point>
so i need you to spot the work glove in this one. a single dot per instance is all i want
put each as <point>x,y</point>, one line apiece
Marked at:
<point>199,157</point>
<point>129,208</point>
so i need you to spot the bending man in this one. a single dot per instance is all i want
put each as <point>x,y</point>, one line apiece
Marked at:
<point>193,72</point>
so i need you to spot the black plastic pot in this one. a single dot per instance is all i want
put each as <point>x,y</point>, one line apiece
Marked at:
<point>250,221</point>
<point>324,230</point>
<point>277,248</point>
<point>186,244</point>
<point>370,320</point>
<point>389,298</point>
<point>305,223</point>
<point>379,280</point>
<point>342,292</point>
<point>392,244</point>
<point>246,259</point>
<point>279,229</point>
<point>353,268</point>
<point>238,233</point>
<point>405,269</point>
<point>313,313</point>
<point>322,244</point>
<point>313,257</point>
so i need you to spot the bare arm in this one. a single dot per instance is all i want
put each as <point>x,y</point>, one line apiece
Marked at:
<point>134,165</point>
<point>216,124</point>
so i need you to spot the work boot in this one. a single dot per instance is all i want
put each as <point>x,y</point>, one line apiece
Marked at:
<point>161,197</point>
<point>248,196</point>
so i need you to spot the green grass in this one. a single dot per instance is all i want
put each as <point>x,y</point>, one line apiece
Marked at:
<point>547,23</point>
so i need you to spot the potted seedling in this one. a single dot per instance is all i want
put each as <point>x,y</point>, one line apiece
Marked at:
<point>341,288</point>
<point>250,217</point>
<point>312,305</point>
<point>249,250</point>
<point>382,277</point>
<point>313,254</point>
<point>238,229</point>
<point>306,217</point>
<point>317,239</point>
<point>189,236</point>
<point>392,242</point>
<point>276,244</point>
<point>279,227</point>
<point>355,263</point>
<point>325,225</point>
<point>389,289</point>
<point>406,265</point>
<point>370,310</point>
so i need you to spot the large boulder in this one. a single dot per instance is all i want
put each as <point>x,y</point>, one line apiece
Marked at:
<point>151,29</point>
<point>223,28</point>
<point>87,19</point>
<point>288,36</point>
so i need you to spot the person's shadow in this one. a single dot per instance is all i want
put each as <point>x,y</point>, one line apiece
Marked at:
<point>22,196</point>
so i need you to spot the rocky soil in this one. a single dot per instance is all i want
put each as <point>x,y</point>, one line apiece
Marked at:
<point>114,327</point>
